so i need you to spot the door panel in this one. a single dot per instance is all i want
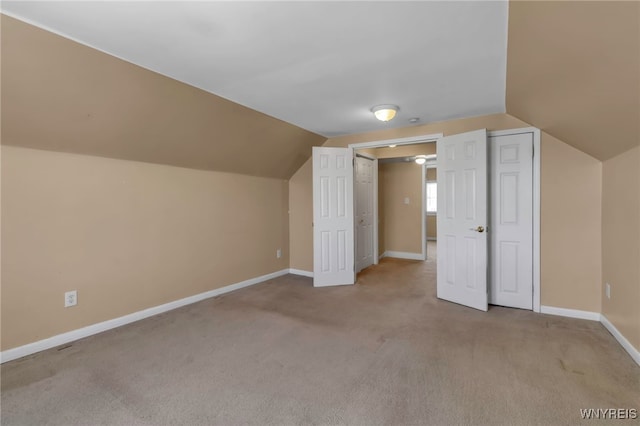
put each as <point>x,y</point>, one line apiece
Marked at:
<point>462,240</point>
<point>364,170</point>
<point>511,237</point>
<point>333,247</point>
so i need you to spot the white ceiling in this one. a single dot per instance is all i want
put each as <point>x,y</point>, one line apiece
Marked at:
<point>318,65</point>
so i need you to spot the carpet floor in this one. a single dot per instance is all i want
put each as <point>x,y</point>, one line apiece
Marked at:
<point>383,352</point>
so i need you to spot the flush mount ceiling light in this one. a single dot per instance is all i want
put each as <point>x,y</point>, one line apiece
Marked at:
<point>421,159</point>
<point>392,146</point>
<point>385,112</point>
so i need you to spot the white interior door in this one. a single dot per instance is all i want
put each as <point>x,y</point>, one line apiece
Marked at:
<point>511,237</point>
<point>462,219</point>
<point>333,242</point>
<point>364,188</point>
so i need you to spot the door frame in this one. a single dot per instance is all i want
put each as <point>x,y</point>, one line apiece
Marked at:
<point>430,138</point>
<point>536,204</point>
<point>427,166</point>
<point>536,190</point>
<point>374,241</point>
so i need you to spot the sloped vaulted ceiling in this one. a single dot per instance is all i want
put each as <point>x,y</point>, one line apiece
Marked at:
<point>320,65</point>
<point>573,70</point>
<point>63,96</point>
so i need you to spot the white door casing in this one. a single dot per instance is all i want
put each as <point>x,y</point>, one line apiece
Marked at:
<point>536,188</point>
<point>462,219</point>
<point>333,215</point>
<point>511,228</point>
<point>364,187</point>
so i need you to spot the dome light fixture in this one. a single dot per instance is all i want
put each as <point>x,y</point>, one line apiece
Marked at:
<point>385,112</point>
<point>421,159</point>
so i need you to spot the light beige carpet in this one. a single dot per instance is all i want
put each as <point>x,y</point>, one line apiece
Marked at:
<point>385,351</point>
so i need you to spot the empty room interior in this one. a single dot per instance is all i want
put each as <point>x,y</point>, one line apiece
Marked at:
<point>328,213</point>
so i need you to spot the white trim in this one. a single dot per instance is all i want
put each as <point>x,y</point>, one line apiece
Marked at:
<point>301,272</point>
<point>536,219</point>
<point>635,354</point>
<point>508,132</point>
<point>404,255</point>
<point>90,330</point>
<point>536,188</point>
<point>536,205</point>
<point>376,225</point>
<point>430,138</point>
<point>595,316</point>
<point>374,207</point>
<point>367,156</point>
<point>571,313</point>
<point>400,141</point>
<point>423,215</point>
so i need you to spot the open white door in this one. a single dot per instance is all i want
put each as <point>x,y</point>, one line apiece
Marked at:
<point>333,237</point>
<point>462,219</point>
<point>364,186</point>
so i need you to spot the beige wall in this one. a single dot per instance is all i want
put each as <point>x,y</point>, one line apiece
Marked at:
<point>573,71</point>
<point>571,196</point>
<point>432,227</point>
<point>621,243</point>
<point>127,235</point>
<point>401,229</point>
<point>570,237</point>
<point>63,96</point>
<point>301,219</point>
<point>300,197</point>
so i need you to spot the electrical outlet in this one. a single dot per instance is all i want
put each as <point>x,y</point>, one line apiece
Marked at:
<point>279,253</point>
<point>607,287</point>
<point>70,298</point>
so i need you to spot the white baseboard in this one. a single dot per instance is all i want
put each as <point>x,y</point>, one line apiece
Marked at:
<point>595,316</point>
<point>301,272</point>
<point>635,354</point>
<point>404,255</point>
<point>571,313</point>
<point>382,255</point>
<point>90,330</point>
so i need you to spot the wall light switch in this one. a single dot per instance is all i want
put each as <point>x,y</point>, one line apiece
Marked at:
<point>406,200</point>
<point>70,298</point>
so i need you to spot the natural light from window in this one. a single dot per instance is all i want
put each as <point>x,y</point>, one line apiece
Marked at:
<point>432,197</point>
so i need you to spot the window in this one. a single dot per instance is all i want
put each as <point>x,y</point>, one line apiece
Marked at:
<point>432,197</point>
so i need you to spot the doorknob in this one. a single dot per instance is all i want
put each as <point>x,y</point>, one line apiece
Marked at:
<point>478,229</point>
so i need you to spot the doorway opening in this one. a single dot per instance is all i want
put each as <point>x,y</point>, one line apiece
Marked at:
<point>502,146</point>
<point>339,227</point>
<point>405,175</point>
